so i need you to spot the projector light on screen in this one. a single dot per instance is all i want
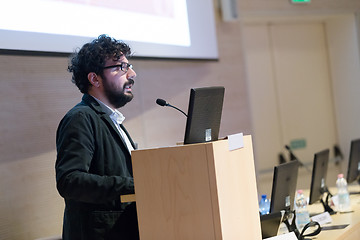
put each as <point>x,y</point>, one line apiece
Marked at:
<point>153,28</point>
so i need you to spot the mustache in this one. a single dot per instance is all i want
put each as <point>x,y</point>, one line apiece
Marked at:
<point>130,82</point>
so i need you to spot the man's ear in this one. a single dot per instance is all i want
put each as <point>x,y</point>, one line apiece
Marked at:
<point>93,79</point>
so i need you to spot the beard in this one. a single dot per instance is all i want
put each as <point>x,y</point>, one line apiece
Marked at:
<point>117,97</point>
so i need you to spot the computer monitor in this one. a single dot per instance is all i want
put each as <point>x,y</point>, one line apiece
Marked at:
<point>204,114</point>
<point>284,186</point>
<point>270,224</point>
<point>353,171</point>
<point>318,180</point>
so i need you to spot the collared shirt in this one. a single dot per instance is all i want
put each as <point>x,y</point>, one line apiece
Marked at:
<point>117,118</point>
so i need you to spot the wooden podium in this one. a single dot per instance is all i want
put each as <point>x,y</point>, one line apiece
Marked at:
<point>197,192</point>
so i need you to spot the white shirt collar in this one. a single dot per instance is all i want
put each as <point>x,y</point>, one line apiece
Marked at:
<point>117,116</point>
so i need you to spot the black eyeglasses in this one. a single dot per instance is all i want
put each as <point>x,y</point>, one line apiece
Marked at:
<point>124,66</point>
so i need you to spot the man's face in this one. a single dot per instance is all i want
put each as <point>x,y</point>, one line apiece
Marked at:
<point>118,81</point>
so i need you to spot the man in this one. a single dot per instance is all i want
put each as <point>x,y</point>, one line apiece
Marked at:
<point>93,165</point>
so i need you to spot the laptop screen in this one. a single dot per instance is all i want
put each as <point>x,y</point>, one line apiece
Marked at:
<point>204,114</point>
<point>284,186</point>
<point>270,224</point>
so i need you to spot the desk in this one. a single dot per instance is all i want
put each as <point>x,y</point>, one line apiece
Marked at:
<point>351,232</point>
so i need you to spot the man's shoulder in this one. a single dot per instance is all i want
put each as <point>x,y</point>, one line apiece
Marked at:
<point>83,107</point>
<point>80,116</point>
<point>81,110</point>
<point>82,113</point>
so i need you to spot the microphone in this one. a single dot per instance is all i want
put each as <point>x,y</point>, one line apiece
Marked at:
<point>293,157</point>
<point>163,103</point>
<point>338,156</point>
<point>281,158</point>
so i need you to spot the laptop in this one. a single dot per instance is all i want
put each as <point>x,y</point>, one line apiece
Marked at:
<point>270,224</point>
<point>204,114</point>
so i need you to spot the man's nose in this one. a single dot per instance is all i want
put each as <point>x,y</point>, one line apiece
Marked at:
<point>131,73</point>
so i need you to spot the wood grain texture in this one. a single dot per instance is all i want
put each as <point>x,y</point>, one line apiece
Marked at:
<point>198,191</point>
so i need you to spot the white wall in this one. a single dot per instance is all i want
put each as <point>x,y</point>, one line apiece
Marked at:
<point>343,44</point>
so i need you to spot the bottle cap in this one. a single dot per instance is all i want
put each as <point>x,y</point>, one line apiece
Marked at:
<point>263,196</point>
<point>300,191</point>
<point>340,175</point>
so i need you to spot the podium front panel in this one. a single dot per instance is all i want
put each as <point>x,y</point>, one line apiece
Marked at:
<point>196,191</point>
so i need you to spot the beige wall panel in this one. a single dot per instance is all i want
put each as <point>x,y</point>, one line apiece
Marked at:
<point>281,7</point>
<point>304,87</point>
<point>301,96</point>
<point>343,34</point>
<point>263,99</point>
<point>30,205</point>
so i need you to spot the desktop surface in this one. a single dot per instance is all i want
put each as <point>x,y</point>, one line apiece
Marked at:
<point>351,232</point>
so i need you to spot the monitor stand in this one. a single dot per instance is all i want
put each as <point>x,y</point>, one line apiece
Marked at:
<point>293,228</point>
<point>325,204</point>
<point>327,208</point>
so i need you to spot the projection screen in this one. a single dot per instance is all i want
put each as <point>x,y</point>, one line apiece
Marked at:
<point>153,28</point>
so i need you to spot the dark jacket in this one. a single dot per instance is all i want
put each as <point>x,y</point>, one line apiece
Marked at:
<point>93,168</point>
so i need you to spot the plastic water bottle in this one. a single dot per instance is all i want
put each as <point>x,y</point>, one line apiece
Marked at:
<point>264,205</point>
<point>301,210</point>
<point>343,194</point>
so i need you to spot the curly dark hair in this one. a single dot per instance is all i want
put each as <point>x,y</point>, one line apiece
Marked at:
<point>92,57</point>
